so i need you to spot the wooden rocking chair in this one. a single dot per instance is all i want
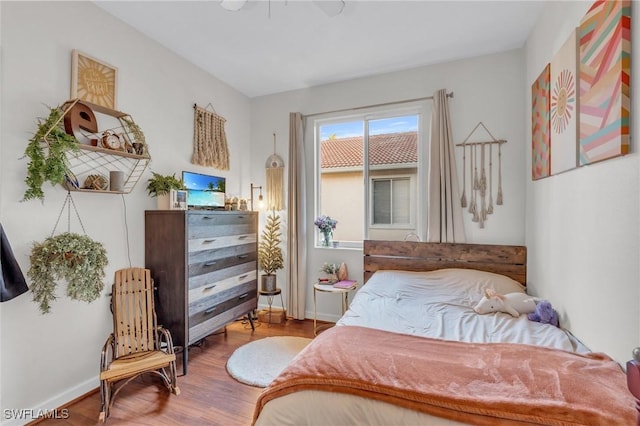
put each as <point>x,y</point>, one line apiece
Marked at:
<point>137,345</point>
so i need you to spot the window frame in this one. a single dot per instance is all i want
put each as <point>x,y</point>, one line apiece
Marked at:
<point>418,108</point>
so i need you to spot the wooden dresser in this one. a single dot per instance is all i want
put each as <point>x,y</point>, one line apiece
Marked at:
<point>205,268</point>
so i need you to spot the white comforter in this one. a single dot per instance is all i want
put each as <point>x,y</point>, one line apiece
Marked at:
<point>439,304</point>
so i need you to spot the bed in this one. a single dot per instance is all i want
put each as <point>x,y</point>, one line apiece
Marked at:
<point>411,350</point>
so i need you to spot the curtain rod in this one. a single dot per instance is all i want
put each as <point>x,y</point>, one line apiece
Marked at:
<point>449,95</point>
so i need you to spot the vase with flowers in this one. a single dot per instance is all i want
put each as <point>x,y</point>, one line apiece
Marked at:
<point>326,225</point>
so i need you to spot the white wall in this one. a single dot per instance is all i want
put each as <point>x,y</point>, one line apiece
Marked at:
<point>1,97</point>
<point>582,227</point>
<point>47,360</point>
<point>487,89</point>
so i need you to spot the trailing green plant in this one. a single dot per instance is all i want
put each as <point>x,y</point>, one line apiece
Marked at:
<point>136,131</point>
<point>269,253</point>
<point>46,151</point>
<point>73,257</point>
<point>161,184</point>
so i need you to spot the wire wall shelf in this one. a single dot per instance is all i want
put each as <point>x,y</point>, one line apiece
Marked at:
<point>91,162</point>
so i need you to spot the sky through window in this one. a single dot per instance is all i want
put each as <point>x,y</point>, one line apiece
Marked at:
<point>376,127</point>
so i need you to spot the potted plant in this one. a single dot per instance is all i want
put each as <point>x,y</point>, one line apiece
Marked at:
<point>48,165</point>
<point>73,257</point>
<point>161,185</point>
<point>269,253</point>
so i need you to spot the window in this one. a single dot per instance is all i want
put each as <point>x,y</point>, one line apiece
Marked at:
<point>391,201</point>
<point>368,174</point>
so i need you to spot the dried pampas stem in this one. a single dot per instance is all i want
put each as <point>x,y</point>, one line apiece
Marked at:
<point>463,199</point>
<point>490,207</point>
<point>499,197</point>
<point>476,181</point>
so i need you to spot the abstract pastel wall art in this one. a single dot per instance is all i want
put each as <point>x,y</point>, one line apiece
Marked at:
<point>563,108</point>
<point>605,62</point>
<point>540,125</point>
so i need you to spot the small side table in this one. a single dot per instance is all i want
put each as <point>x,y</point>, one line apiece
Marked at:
<point>329,288</point>
<point>270,295</point>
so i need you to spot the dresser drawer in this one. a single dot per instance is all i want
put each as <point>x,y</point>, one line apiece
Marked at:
<point>213,242</point>
<point>202,262</point>
<point>202,225</point>
<point>215,282</point>
<point>207,327</point>
<point>209,307</point>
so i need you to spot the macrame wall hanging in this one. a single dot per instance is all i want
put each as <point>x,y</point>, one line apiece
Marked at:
<point>209,139</point>
<point>275,180</point>
<point>480,153</point>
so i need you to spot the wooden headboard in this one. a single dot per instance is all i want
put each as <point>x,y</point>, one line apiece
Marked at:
<point>418,256</point>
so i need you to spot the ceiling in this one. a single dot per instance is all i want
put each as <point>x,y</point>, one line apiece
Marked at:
<point>275,46</point>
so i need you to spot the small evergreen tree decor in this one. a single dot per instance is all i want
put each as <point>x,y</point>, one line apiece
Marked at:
<point>270,256</point>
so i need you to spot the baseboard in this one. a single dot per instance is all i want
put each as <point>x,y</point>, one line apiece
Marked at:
<point>56,406</point>
<point>322,317</point>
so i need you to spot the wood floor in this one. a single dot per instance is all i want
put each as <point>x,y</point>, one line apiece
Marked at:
<point>208,394</point>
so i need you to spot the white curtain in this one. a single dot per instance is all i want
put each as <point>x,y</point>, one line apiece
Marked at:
<point>444,222</point>
<point>296,235</point>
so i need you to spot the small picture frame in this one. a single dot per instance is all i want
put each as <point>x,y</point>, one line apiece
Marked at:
<point>93,80</point>
<point>177,199</point>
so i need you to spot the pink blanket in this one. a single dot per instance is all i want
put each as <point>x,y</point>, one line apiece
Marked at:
<point>486,384</point>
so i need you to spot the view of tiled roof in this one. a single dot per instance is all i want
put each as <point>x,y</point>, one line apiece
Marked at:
<point>393,148</point>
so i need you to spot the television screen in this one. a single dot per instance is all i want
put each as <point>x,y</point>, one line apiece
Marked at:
<point>204,191</point>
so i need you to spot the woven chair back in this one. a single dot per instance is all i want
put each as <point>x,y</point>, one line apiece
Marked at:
<point>134,318</point>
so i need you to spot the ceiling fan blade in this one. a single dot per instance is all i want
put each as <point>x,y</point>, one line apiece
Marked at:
<point>232,5</point>
<point>330,7</point>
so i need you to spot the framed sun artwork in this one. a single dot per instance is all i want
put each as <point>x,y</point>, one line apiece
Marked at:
<point>563,107</point>
<point>93,80</point>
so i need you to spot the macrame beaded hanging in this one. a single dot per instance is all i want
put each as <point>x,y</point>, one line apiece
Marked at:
<point>209,139</point>
<point>275,180</point>
<point>479,189</point>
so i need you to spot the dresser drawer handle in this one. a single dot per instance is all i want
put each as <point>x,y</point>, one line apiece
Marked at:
<point>243,296</point>
<point>208,241</point>
<point>210,263</point>
<point>242,277</point>
<point>210,310</point>
<point>240,217</point>
<point>243,237</point>
<point>243,256</point>
<point>207,217</point>
<point>209,287</point>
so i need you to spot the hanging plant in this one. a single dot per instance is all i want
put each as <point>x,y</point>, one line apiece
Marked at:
<point>73,257</point>
<point>51,165</point>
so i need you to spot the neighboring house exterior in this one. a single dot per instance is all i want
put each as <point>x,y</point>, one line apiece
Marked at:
<point>393,173</point>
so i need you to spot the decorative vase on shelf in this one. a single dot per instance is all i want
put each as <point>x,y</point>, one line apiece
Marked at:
<point>326,238</point>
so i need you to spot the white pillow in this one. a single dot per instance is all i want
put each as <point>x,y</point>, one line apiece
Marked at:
<point>478,280</point>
